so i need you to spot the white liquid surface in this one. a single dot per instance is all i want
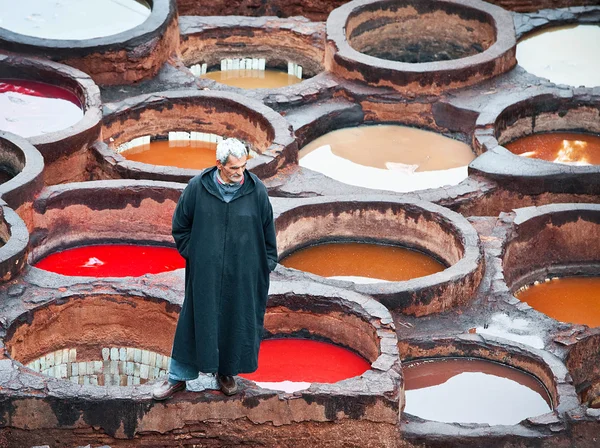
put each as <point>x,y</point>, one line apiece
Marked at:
<point>475,397</point>
<point>72,19</point>
<point>564,55</point>
<point>324,161</point>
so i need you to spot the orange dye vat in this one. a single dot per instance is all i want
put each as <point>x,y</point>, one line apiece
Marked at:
<point>559,147</point>
<point>190,154</point>
<point>571,299</point>
<point>392,263</point>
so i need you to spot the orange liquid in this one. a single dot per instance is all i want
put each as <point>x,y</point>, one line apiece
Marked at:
<point>572,299</point>
<point>253,79</point>
<point>383,146</point>
<point>190,154</point>
<point>561,147</point>
<point>391,263</point>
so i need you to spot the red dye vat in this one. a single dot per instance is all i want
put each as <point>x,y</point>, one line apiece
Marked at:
<point>114,260</point>
<point>303,360</point>
<point>40,89</point>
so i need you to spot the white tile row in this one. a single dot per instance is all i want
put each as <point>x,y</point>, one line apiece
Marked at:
<point>139,141</point>
<point>295,70</point>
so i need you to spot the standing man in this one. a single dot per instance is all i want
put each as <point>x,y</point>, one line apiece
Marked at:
<point>223,227</point>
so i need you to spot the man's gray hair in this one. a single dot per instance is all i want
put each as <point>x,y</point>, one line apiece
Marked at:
<point>230,146</point>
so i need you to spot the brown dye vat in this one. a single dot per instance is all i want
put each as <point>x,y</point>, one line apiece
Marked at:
<point>387,146</point>
<point>253,79</point>
<point>73,19</point>
<point>391,263</point>
<point>564,55</point>
<point>559,147</point>
<point>468,390</point>
<point>191,154</point>
<point>571,299</point>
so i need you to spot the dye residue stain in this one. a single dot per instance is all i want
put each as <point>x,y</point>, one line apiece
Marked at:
<point>72,19</point>
<point>462,390</point>
<point>571,299</point>
<point>191,154</point>
<point>253,79</point>
<point>29,108</point>
<point>564,55</point>
<point>351,260</point>
<point>115,260</point>
<point>388,157</point>
<point>559,147</point>
<point>293,364</point>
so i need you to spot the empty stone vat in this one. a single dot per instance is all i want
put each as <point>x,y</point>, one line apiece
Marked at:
<point>419,47</point>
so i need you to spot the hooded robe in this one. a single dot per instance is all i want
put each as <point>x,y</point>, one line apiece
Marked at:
<point>229,249</point>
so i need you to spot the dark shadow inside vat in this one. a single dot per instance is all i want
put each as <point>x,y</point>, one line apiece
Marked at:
<point>214,115</point>
<point>253,53</point>
<point>103,212</point>
<point>14,239</point>
<point>414,225</point>
<point>96,340</point>
<point>419,31</point>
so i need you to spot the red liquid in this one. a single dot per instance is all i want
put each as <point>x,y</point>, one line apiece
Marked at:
<point>40,89</point>
<point>115,260</point>
<point>303,360</point>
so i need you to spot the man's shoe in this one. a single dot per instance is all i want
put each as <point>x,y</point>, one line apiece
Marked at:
<point>227,384</point>
<point>167,389</point>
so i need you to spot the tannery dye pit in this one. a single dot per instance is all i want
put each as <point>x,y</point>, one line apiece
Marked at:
<point>434,188</point>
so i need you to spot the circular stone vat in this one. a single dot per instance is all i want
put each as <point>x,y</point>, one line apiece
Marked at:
<point>532,118</point>
<point>442,360</point>
<point>551,242</point>
<point>106,212</point>
<point>583,362</point>
<point>21,172</point>
<point>572,59</point>
<point>423,47</point>
<point>388,157</point>
<point>127,35</point>
<point>97,340</point>
<point>433,230</point>
<point>201,116</point>
<point>469,390</point>
<point>24,84</point>
<point>253,53</point>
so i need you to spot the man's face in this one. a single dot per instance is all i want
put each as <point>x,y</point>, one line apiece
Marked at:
<point>233,170</point>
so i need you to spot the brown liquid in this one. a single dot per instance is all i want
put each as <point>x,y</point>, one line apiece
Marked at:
<point>456,390</point>
<point>564,55</point>
<point>189,154</point>
<point>390,263</point>
<point>253,79</point>
<point>382,145</point>
<point>572,299</point>
<point>562,147</point>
